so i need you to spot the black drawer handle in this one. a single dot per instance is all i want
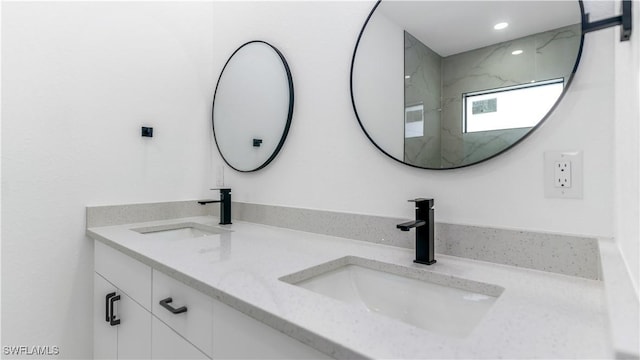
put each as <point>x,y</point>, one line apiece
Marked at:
<point>107,314</point>
<point>112,318</point>
<point>165,304</point>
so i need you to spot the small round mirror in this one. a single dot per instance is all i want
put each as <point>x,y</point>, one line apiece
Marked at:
<point>252,106</point>
<point>448,84</point>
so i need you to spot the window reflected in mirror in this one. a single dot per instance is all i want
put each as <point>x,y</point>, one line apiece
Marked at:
<point>501,109</point>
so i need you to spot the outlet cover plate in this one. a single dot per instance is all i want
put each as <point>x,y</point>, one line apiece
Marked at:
<point>574,161</point>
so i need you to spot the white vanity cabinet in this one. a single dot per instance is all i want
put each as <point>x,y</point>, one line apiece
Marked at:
<point>163,318</point>
<point>122,324</point>
<point>219,330</point>
<point>167,344</point>
<point>183,309</point>
<point>105,337</point>
<point>238,336</point>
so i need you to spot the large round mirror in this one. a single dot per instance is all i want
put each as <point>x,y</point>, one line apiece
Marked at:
<point>447,84</point>
<point>252,106</point>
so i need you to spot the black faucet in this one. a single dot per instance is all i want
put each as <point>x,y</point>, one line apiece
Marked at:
<point>424,224</point>
<point>225,205</point>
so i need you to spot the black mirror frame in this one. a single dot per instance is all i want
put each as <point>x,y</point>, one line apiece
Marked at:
<point>533,129</point>
<point>289,114</point>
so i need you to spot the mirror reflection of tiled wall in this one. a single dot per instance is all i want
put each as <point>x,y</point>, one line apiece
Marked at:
<point>544,57</point>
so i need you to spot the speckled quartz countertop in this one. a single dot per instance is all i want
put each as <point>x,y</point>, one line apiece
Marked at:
<point>538,315</point>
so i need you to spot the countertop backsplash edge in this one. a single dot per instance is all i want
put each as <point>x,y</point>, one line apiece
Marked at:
<point>558,253</point>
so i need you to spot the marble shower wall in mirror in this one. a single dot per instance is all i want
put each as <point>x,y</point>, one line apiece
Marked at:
<point>434,88</point>
<point>422,92</point>
<point>437,85</point>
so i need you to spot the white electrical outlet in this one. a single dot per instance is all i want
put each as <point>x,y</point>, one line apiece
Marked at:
<point>563,174</point>
<point>562,171</point>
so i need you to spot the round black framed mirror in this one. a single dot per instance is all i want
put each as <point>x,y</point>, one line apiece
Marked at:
<point>252,106</point>
<point>449,84</point>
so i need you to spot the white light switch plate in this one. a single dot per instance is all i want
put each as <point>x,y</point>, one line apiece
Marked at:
<point>563,174</point>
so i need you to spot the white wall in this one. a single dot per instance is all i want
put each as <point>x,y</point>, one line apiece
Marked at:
<point>328,163</point>
<point>78,80</point>
<point>380,106</point>
<point>627,158</point>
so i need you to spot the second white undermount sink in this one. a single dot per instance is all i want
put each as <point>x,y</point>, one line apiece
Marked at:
<point>181,231</point>
<point>439,303</point>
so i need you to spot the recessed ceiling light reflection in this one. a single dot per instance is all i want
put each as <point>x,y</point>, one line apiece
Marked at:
<point>500,26</point>
<point>517,52</point>
<point>407,76</point>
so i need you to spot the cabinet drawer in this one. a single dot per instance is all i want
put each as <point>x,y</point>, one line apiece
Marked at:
<point>194,324</point>
<point>130,275</point>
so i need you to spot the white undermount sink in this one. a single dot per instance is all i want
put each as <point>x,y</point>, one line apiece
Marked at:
<point>181,231</point>
<point>431,301</point>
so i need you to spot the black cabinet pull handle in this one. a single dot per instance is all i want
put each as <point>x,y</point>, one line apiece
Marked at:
<point>106,305</point>
<point>165,304</point>
<point>112,319</point>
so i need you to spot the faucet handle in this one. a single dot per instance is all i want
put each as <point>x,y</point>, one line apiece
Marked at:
<point>423,202</point>
<point>224,192</point>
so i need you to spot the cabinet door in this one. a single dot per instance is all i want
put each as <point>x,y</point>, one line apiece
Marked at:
<point>105,336</point>
<point>134,331</point>
<point>167,344</point>
<point>131,338</point>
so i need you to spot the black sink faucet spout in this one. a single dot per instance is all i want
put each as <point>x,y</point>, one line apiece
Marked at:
<point>425,230</point>
<point>225,205</point>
